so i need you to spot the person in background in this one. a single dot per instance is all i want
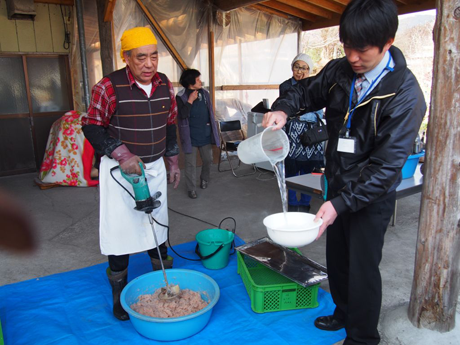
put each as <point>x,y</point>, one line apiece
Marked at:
<point>374,109</point>
<point>301,160</point>
<point>197,128</point>
<point>131,123</point>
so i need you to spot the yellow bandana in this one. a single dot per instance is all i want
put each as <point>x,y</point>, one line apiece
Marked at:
<point>135,38</point>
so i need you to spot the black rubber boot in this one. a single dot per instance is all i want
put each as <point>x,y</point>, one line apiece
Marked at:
<point>156,264</point>
<point>118,282</point>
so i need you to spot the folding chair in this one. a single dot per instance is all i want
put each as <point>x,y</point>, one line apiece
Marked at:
<point>231,135</point>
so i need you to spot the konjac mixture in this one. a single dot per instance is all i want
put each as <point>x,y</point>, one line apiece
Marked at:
<point>186,303</point>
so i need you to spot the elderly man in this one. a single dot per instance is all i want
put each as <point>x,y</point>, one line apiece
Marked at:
<point>374,108</point>
<point>131,122</point>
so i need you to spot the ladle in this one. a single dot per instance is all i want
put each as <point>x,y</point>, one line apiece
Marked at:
<point>171,291</point>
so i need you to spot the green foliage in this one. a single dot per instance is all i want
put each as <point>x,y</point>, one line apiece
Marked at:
<point>315,54</point>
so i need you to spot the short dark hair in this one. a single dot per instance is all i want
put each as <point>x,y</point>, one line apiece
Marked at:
<point>368,23</point>
<point>188,77</point>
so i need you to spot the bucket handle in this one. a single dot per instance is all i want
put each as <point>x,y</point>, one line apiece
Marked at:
<point>197,251</point>
<point>232,246</point>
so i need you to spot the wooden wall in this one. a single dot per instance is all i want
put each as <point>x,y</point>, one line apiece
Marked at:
<point>45,34</point>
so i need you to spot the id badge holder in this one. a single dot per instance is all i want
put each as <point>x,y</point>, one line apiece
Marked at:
<point>346,144</point>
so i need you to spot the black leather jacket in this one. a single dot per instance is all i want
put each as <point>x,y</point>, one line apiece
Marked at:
<point>385,125</point>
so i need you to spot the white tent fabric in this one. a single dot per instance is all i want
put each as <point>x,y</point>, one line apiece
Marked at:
<point>251,47</point>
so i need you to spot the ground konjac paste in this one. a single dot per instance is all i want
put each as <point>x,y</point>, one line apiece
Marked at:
<point>186,303</point>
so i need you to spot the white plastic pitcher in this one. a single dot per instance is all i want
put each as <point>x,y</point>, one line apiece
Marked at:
<point>269,145</point>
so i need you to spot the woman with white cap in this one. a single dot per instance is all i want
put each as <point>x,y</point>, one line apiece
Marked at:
<point>301,159</point>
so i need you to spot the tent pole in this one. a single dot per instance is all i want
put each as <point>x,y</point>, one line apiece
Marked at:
<point>81,38</point>
<point>163,36</point>
<point>212,79</point>
<point>299,41</point>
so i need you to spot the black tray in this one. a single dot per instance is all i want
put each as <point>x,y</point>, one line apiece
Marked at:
<point>285,261</point>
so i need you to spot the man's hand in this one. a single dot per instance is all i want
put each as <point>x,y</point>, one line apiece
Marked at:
<point>129,163</point>
<point>174,171</point>
<point>277,118</point>
<point>328,214</point>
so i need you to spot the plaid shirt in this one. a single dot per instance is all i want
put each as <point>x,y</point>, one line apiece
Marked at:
<point>104,101</point>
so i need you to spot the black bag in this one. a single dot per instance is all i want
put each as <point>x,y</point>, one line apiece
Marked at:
<point>315,135</point>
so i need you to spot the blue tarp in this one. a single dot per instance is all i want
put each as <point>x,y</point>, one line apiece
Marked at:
<point>76,308</point>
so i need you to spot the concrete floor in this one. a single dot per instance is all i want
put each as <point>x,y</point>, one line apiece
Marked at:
<point>66,221</point>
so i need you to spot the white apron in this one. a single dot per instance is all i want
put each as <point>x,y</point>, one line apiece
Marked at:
<point>122,229</point>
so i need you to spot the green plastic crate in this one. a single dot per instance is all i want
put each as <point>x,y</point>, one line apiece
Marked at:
<point>271,291</point>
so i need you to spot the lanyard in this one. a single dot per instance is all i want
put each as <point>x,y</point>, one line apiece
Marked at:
<point>387,67</point>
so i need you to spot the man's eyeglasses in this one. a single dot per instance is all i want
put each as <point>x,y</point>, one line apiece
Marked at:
<point>301,69</point>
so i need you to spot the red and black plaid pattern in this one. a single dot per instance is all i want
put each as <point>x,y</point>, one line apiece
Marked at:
<point>104,103</point>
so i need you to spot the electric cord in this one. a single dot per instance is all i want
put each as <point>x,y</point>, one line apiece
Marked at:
<point>111,174</point>
<point>198,219</point>
<point>219,227</point>
<point>262,173</point>
<point>182,214</point>
<point>66,19</point>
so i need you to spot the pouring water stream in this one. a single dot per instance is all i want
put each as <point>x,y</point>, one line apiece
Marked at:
<point>278,168</point>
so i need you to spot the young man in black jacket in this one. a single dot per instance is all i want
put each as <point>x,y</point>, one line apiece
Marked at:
<point>374,108</point>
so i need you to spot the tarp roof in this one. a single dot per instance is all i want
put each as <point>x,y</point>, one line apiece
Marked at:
<point>315,14</point>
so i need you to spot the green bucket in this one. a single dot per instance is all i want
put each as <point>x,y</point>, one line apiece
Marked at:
<point>213,247</point>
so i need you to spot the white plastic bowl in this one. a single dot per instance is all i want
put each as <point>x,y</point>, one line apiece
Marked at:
<point>296,230</point>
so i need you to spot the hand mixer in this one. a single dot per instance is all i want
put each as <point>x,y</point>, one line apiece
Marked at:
<point>146,203</point>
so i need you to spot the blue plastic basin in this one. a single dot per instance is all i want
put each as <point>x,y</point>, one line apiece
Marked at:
<point>170,329</point>
<point>409,167</point>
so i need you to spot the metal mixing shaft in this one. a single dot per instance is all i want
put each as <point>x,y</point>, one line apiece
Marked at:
<point>171,291</point>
